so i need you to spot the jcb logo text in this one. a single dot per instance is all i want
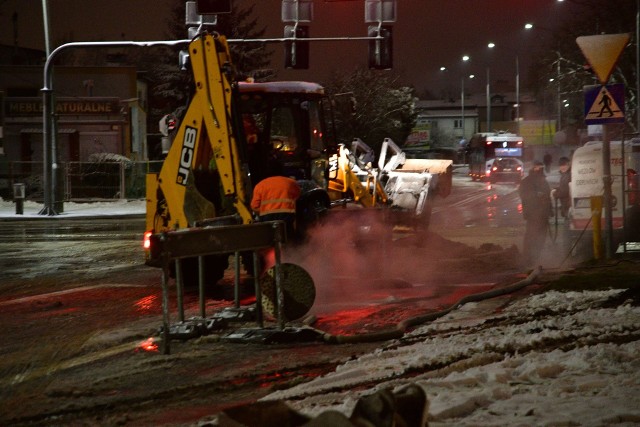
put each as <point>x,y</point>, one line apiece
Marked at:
<point>186,155</point>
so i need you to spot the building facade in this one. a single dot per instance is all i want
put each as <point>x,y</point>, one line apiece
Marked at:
<point>99,111</point>
<point>506,111</point>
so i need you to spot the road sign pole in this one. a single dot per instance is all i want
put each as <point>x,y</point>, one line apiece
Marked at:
<point>603,52</point>
<point>606,178</point>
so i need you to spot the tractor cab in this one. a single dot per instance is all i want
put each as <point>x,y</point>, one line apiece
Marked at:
<point>284,129</point>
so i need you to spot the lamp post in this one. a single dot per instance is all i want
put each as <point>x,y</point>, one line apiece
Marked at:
<point>465,58</point>
<point>529,26</point>
<point>490,45</point>
<point>517,96</point>
<point>45,17</point>
<point>559,100</point>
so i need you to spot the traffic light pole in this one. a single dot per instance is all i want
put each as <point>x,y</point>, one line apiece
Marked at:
<point>49,143</point>
<point>207,7</point>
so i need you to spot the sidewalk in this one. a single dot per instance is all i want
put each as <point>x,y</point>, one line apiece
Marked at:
<point>137,207</point>
<point>116,208</point>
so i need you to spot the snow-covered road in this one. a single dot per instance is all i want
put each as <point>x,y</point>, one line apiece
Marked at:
<point>550,359</point>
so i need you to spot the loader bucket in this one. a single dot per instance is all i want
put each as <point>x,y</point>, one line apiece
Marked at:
<point>442,169</point>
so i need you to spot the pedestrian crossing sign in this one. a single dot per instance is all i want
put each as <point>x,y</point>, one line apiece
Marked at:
<point>604,104</point>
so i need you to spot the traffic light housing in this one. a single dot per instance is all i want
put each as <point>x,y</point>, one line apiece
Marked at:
<point>296,53</point>
<point>213,7</point>
<point>380,50</point>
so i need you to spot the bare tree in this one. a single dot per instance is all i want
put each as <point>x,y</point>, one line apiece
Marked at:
<point>383,108</point>
<point>560,58</point>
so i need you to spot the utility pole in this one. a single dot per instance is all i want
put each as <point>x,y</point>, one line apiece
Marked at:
<point>638,65</point>
<point>462,105</point>
<point>518,95</point>
<point>559,125</point>
<point>488,101</point>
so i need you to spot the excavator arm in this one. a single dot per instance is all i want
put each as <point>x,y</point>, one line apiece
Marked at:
<point>204,153</point>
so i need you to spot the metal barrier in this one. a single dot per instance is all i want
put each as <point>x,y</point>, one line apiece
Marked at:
<point>171,247</point>
<point>106,180</point>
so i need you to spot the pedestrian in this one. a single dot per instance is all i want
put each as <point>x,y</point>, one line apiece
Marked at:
<point>536,210</point>
<point>562,192</point>
<point>547,159</point>
<point>274,199</point>
<point>562,195</point>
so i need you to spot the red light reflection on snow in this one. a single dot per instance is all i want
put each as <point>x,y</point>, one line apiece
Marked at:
<point>146,304</point>
<point>345,320</point>
<point>148,345</point>
<point>271,379</point>
<point>348,316</point>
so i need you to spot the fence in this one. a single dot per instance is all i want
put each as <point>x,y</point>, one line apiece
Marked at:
<point>78,181</point>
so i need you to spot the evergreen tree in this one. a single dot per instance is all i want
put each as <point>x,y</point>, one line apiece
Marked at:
<point>170,88</point>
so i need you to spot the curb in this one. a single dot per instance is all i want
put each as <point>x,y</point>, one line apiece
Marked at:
<point>73,217</point>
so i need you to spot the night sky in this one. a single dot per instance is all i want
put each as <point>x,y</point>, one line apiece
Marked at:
<point>428,34</point>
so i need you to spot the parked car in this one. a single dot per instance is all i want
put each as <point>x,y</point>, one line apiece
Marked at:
<point>506,169</point>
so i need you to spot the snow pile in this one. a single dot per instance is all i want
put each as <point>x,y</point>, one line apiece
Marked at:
<point>72,209</point>
<point>550,359</point>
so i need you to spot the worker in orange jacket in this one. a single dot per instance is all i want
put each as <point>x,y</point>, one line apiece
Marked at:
<point>274,199</point>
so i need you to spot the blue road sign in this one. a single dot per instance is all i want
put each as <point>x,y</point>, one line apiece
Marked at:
<point>604,104</point>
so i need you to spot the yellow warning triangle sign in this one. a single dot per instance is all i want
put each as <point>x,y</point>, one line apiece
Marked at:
<point>602,52</point>
<point>605,107</point>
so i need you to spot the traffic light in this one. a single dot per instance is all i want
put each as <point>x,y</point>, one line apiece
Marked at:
<point>172,122</point>
<point>380,51</point>
<point>167,124</point>
<point>296,53</point>
<point>213,7</point>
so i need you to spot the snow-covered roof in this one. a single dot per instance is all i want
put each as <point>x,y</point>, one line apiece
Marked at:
<point>282,87</point>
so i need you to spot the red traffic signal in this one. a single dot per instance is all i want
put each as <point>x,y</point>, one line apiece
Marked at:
<point>380,50</point>
<point>296,53</point>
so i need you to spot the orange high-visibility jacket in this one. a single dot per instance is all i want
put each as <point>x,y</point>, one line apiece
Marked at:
<point>276,194</point>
